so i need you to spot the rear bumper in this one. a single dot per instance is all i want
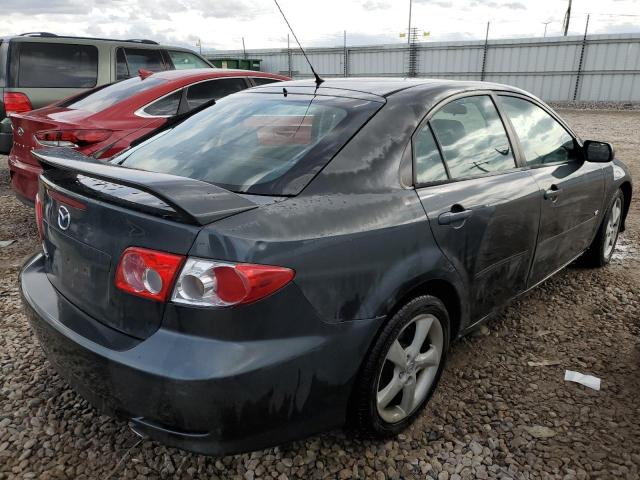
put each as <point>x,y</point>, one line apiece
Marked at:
<point>24,179</point>
<point>201,394</point>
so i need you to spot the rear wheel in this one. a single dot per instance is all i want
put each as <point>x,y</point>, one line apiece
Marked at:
<point>402,369</point>
<point>601,250</point>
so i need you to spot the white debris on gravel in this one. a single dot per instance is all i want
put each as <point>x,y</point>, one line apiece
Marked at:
<point>493,416</point>
<point>586,380</point>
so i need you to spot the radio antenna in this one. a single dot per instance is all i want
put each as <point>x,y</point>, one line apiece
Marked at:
<point>318,79</point>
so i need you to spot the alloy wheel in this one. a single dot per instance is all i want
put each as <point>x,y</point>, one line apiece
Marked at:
<point>410,368</point>
<point>613,225</point>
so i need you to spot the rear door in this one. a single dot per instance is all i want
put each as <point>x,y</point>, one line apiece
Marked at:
<point>571,190</point>
<point>50,71</point>
<point>482,206</point>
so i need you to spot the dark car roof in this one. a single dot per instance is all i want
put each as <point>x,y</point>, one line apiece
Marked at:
<point>385,86</point>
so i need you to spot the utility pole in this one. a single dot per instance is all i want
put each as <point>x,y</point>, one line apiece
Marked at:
<point>289,56</point>
<point>484,54</point>
<point>545,28</point>
<point>244,51</point>
<point>567,18</point>
<point>579,72</point>
<point>345,56</point>
<point>409,29</point>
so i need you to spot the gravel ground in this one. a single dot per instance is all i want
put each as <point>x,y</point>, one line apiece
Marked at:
<point>493,416</point>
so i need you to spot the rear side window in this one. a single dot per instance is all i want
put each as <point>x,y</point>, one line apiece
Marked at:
<point>428,162</point>
<point>255,143</point>
<point>54,65</point>
<point>186,60</point>
<point>263,80</point>
<point>472,137</point>
<point>108,96</point>
<point>147,59</point>
<point>213,90</point>
<point>165,107</point>
<point>542,138</point>
<point>122,69</point>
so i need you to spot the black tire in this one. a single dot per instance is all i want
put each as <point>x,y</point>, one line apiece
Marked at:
<point>363,417</point>
<point>596,255</point>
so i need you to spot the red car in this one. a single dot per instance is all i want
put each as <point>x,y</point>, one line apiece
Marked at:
<point>105,120</point>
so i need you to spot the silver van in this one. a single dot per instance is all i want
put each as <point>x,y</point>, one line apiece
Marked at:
<point>39,68</point>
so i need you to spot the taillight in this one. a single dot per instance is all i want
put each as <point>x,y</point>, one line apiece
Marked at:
<point>39,217</point>
<point>147,273</point>
<point>219,284</point>
<point>16,102</point>
<point>71,138</point>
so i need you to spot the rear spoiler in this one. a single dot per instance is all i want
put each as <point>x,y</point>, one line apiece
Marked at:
<point>198,202</point>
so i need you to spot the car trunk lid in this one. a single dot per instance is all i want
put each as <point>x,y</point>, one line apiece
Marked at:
<point>92,212</point>
<point>24,128</point>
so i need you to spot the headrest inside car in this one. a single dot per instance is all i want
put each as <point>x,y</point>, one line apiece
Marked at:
<point>455,108</point>
<point>448,131</point>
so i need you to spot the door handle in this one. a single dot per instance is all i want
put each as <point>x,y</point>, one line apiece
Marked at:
<point>447,218</point>
<point>553,193</point>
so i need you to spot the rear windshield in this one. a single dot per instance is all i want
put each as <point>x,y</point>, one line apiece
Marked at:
<point>259,143</point>
<point>105,97</point>
<point>53,65</point>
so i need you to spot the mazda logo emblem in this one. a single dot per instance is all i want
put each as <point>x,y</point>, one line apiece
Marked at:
<point>20,131</point>
<point>64,218</point>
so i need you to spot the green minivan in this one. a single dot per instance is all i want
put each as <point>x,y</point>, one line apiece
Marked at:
<point>40,68</point>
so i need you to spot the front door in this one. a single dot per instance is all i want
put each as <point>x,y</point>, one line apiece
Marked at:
<point>571,190</point>
<point>483,210</point>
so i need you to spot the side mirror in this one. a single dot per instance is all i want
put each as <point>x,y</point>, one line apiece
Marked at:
<point>601,152</point>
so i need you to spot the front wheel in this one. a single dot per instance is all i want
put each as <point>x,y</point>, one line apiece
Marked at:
<point>600,252</point>
<point>402,368</point>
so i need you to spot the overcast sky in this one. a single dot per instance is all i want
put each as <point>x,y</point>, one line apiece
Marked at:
<point>221,24</point>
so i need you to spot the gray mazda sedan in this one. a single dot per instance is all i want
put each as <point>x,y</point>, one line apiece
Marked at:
<point>296,258</point>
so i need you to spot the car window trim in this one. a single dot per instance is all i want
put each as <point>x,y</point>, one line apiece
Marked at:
<point>554,116</point>
<point>427,120</point>
<point>141,113</point>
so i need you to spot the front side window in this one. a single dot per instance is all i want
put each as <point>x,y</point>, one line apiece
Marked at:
<point>472,137</point>
<point>213,90</point>
<point>254,142</point>
<point>542,138</point>
<point>428,162</point>
<point>54,65</point>
<point>185,60</point>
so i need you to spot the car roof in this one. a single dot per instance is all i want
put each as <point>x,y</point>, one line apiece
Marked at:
<point>196,73</point>
<point>385,86</point>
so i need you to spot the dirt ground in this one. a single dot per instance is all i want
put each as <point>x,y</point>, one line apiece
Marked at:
<point>494,414</point>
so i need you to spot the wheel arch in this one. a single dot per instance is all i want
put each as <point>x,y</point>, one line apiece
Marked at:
<point>443,290</point>
<point>626,191</point>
